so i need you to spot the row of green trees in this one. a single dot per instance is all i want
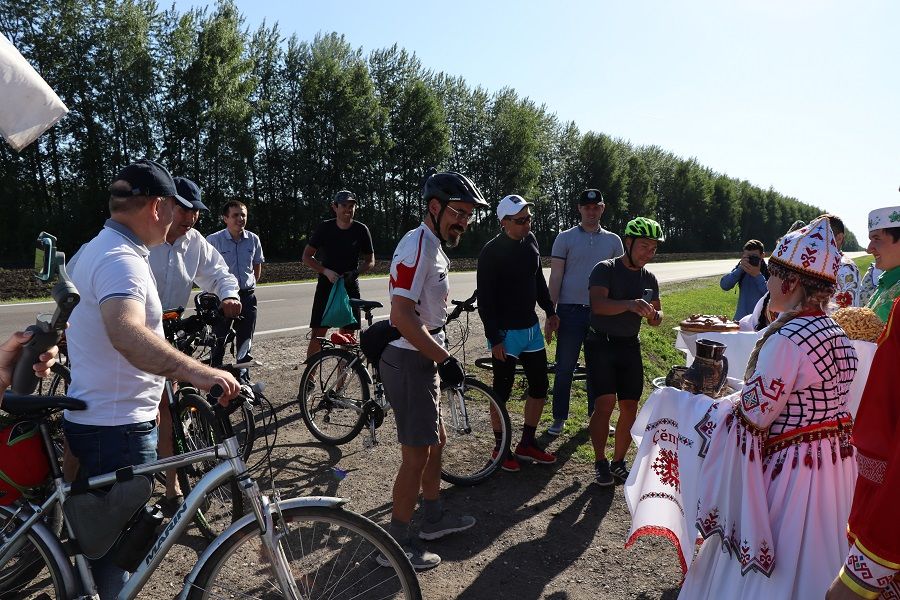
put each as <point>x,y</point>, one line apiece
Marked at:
<point>284,123</point>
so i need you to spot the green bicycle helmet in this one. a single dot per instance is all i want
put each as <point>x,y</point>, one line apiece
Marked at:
<point>642,227</point>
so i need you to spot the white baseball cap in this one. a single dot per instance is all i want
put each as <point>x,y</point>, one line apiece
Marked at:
<point>884,218</point>
<point>511,205</point>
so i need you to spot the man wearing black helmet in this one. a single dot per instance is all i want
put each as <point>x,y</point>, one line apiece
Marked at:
<point>414,367</point>
<point>339,247</point>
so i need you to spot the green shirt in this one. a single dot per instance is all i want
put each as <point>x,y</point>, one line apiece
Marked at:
<point>883,298</point>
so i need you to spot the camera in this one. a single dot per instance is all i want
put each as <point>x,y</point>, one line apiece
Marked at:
<point>754,260</point>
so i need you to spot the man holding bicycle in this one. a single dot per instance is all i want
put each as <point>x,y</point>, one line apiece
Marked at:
<point>115,340</point>
<point>414,367</point>
<point>184,258</point>
<point>510,283</point>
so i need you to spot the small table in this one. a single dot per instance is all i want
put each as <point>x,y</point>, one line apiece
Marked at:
<point>739,345</point>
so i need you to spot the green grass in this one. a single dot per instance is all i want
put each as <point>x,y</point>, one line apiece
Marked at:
<point>863,262</point>
<point>679,300</point>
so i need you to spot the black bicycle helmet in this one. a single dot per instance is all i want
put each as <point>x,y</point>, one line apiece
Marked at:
<point>452,187</point>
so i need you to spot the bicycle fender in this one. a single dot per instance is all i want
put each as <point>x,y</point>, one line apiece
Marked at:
<point>57,552</point>
<point>327,501</point>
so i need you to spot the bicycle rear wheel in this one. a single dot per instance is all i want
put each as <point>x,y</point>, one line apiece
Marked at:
<point>331,553</point>
<point>225,504</point>
<point>469,419</point>
<point>30,572</point>
<point>333,391</point>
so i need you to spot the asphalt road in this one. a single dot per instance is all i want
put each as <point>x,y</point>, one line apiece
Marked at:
<point>284,308</point>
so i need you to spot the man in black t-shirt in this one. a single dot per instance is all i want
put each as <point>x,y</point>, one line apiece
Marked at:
<point>339,247</point>
<point>622,293</point>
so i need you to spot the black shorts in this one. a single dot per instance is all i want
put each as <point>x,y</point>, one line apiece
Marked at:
<point>320,300</point>
<point>615,366</point>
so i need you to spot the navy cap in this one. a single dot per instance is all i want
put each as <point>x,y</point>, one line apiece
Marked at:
<point>149,178</point>
<point>344,196</point>
<point>591,197</point>
<point>191,191</point>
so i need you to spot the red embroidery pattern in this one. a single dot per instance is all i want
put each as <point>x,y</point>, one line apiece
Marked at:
<point>843,299</point>
<point>662,496</point>
<point>666,468</point>
<point>871,468</point>
<point>762,560</point>
<point>809,256</point>
<point>859,566</point>
<point>755,394</point>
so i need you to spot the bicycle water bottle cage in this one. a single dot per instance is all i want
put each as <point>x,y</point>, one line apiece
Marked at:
<point>98,520</point>
<point>343,339</point>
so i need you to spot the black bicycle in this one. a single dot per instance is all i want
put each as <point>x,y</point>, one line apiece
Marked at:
<point>337,401</point>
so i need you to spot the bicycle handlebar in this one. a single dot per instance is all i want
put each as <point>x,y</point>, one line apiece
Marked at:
<point>463,306</point>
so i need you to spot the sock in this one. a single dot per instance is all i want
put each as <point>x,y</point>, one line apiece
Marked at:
<point>433,509</point>
<point>398,530</point>
<point>527,435</point>
<point>498,438</point>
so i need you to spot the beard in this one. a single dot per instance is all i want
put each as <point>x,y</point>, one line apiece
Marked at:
<point>453,236</point>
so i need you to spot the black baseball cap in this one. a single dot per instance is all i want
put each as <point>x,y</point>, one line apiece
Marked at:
<point>149,178</point>
<point>344,196</point>
<point>191,191</point>
<point>591,197</point>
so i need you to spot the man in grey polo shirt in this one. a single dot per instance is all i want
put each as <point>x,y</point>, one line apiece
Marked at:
<point>574,254</point>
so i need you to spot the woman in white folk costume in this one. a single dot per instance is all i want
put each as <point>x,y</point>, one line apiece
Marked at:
<point>776,484</point>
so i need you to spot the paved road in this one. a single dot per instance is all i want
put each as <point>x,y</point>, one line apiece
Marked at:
<point>284,308</point>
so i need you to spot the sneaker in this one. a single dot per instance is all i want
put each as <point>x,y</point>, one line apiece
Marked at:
<point>602,474</point>
<point>509,463</point>
<point>556,428</point>
<point>534,454</point>
<point>619,470</point>
<point>420,558</point>
<point>447,524</point>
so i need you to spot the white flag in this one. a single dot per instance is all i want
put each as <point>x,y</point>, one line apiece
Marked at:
<point>28,106</point>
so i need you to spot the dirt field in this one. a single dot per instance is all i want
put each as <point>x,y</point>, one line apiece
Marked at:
<point>542,533</point>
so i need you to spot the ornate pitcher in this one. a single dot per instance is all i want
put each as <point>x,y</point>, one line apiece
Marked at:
<point>708,373</point>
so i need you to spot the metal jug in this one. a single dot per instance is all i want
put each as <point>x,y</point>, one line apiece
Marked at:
<point>708,373</point>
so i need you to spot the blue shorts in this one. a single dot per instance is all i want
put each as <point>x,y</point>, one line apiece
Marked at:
<point>518,341</point>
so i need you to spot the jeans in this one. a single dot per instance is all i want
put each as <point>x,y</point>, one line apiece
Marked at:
<point>103,450</point>
<point>243,331</point>
<point>574,320</point>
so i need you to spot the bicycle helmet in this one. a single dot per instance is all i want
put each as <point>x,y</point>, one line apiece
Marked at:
<point>452,187</point>
<point>23,460</point>
<point>642,227</point>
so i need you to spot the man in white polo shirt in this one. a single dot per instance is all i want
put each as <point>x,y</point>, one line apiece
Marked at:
<point>115,338</point>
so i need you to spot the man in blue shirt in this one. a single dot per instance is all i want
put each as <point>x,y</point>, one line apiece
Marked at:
<point>243,254</point>
<point>750,275</point>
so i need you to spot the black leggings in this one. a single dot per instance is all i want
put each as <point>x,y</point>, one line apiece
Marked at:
<point>535,366</point>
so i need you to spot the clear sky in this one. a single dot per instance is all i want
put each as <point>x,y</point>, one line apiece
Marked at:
<point>799,95</point>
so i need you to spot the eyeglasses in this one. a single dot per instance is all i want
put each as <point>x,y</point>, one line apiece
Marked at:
<point>460,215</point>
<point>521,220</point>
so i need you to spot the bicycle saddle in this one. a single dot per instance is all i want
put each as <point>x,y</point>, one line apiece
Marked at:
<point>365,304</point>
<point>18,404</point>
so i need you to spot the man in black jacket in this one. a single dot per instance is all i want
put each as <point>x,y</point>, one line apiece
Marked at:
<point>510,283</point>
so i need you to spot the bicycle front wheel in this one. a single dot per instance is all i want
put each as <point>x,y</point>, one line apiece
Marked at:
<point>333,391</point>
<point>31,571</point>
<point>471,417</point>
<point>331,553</point>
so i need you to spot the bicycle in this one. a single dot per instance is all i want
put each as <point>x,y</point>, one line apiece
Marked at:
<point>297,548</point>
<point>336,403</point>
<point>579,374</point>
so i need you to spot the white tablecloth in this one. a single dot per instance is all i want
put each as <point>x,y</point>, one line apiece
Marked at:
<point>865,352</point>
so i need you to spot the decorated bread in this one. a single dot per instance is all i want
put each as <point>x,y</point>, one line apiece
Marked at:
<point>704,323</point>
<point>859,323</point>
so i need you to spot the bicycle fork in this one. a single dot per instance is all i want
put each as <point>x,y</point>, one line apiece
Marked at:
<point>459,416</point>
<point>272,530</point>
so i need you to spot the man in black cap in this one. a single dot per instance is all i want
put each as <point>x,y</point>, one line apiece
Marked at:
<point>574,254</point>
<point>183,259</point>
<point>115,338</point>
<point>339,247</point>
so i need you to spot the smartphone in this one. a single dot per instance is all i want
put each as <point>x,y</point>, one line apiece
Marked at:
<point>648,295</point>
<point>44,256</point>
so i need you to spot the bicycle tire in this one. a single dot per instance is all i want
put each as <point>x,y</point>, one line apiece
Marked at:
<point>333,392</point>
<point>467,457</point>
<point>243,422</point>
<point>225,504</point>
<point>31,572</point>
<point>331,547</point>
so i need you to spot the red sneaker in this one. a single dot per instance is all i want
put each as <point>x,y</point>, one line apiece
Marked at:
<point>534,454</point>
<point>509,463</point>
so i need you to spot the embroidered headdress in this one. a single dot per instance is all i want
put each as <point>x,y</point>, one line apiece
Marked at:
<point>884,218</point>
<point>810,250</point>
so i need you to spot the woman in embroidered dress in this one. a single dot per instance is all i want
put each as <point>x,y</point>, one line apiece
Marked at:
<point>777,483</point>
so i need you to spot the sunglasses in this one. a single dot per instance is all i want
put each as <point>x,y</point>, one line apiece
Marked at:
<point>521,220</point>
<point>460,215</point>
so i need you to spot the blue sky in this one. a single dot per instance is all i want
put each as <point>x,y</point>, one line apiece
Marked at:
<point>799,95</point>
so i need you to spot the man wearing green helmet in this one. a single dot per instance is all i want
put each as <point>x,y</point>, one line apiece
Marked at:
<point>622,293</point>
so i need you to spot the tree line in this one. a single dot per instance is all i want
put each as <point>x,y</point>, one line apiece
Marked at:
<point>282,124</point>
